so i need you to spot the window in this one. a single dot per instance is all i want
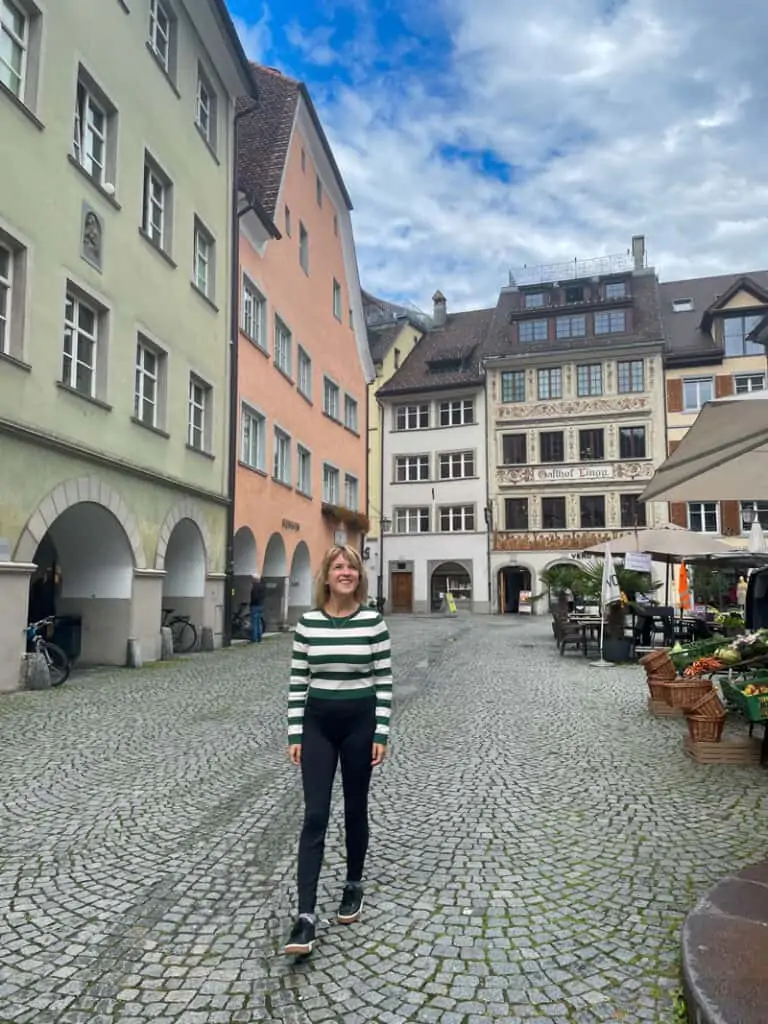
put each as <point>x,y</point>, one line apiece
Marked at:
<point>156,207</point>
<point>350,492</point>
<point>632,510</point>
<point>336,299</point>
<point>696,391</point>
<point>761,507</point>
<point>615,290</point>
<point>551,446</point>
<point>14,44</point>
<point>550,383</point>
<point>457,412</point>
<point>161,33</point>
<point>534,300</point>
<point>574,293</point>
<point>304,471</point>
<point>205,109</point>
<point>457,465</point>
<point>91,143</point>
<point>682,305</point>
<point>6,296</point>
<point>281,466</point>
<point>253,436</point>
<point>254,314</point>
<point>553,513</point>
<point>589,380</point>
<point>610,323</point>
<point>592,507</point>
<point>411,467</point>
<point>735,331</point>
<point>283,354</point>
<point>150,364</point>
<point>591,445</point>
<point>457,519</point>
<point>748,382</point>
<point>330,484</point>
<point>205,269</point>
<point>571,326</point>
<point>513,386</point>
<point>514,449</point>
<point>412,520</point>
<point>515,513</point>
<point>533,330</point>
<point>288,227</point>
<point>397,358</point>
<point>350,413</point>
<point>331,399</point>
<point>336,224</point>
<point>632,442</point>
<point>411,417</point>
<point>631,376</point>
<point>81,344</point>
<point>303,159</point>
<point>198,414</point>
<point>318,190</point>
<point>303,248</point>
<point>703,517</point>
<point>304,382</point>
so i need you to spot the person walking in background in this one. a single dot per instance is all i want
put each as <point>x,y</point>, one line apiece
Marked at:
<point>339,708</point>
<point>257,610</point>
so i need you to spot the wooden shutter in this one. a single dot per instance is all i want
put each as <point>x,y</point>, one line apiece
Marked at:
<point>678,513</point>
<point>723,385</point>
<point>672,446</point>
<point>674,394</point>
<point>730,518</point>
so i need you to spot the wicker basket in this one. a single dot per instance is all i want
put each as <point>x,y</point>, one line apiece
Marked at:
<point>682,693</point>
<point>655,659</point>
<point>708,730</point>
<point>708,706</point>
<point>658,688</point>
<point>664,673</point>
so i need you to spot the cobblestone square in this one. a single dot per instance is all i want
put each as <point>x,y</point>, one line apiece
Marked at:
<point>537,841</point>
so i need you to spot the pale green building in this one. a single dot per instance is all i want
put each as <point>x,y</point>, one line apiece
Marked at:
<point>116,122</point>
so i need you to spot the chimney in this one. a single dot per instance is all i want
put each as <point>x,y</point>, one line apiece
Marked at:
<point>439,310</point>
<point>638,251</point>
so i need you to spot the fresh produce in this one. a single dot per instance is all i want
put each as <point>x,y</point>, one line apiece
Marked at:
<point>753,690</point>
<point>728,655</point>
<point>702,667</point>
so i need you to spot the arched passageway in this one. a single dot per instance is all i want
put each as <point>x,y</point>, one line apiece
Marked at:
<point>514,580</point>
<point>300,585</point>
<point>275,576</point>
<point>450,577</point>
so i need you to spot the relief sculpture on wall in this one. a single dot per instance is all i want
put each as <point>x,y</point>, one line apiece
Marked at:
<point>561,410</point>
<point>560,540</point>
<point>577,473</point>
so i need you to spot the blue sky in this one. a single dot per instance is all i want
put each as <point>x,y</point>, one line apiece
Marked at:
<point>478,136</point>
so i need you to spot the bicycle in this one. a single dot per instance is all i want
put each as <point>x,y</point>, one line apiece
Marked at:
<point>59,665</point>
<point>183,633</point>
<point>241,622</point>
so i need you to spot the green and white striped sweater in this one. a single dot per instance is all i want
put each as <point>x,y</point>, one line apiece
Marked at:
<point>341,658</point>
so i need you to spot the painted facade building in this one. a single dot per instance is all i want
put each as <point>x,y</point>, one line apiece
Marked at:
<point>575,406</point>
<point>303,355</point>
<point>115,200</point>
<point>433,469</point>
<point>709,355</point>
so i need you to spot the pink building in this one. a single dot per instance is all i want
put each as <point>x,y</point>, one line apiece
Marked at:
<point>303,355</point>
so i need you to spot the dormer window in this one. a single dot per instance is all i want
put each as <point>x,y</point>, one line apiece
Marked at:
<point>574,293</point>
<point>616,290</point>
<point>682,305</point>
<point>535,300</point>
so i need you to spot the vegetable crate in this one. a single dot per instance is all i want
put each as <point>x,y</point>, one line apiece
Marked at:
<point>754,707</point>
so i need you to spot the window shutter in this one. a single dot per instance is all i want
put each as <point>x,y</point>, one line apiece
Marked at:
<point>730,518</point>
<point>723,385</point>
<point>675,395</point>
<point>678,513</point>
<point>672,446</point>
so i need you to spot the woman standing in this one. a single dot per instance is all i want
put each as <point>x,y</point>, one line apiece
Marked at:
<point>338,710</point>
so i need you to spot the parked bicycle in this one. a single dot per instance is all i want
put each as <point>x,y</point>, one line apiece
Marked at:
<point>183,632</point>
<point>59,665</point>
<point>241,622</point>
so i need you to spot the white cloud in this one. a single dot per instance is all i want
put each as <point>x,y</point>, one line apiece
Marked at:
<point>645,118</point>
<point>255,36</point>
<point>314,46</point>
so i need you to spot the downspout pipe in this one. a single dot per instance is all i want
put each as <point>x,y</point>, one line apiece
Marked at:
<point>380,594</point>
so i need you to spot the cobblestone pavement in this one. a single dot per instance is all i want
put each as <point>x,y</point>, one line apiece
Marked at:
<point>537,842</point>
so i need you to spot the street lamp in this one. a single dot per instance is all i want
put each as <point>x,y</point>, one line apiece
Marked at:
<point>385,524</point>
<point>749,515</point>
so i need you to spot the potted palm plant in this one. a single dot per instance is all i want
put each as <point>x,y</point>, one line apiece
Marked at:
<point>617,646</point>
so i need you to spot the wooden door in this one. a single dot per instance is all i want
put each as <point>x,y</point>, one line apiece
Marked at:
<point>402,591</point>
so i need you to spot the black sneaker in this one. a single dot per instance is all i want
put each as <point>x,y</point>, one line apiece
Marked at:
<point>302,938</point>
<point>351,905</point>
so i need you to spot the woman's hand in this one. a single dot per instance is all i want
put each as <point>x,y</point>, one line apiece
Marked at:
<point>378,754</point>
<point>294,753</point>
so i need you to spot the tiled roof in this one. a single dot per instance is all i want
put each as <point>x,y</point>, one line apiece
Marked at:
<point>381,338</point>
<point>460,339</point>
<point>264,136</point>
<point>683,331</point>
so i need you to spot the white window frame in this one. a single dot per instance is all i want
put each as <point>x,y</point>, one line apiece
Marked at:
<point>283,350</point>
<point>631,364</point>
<point>281,456</point>
<point>411,468</point>
<point>457,464</point>
<point>304,372</point>
<point>158,35</point>
<point>331,399</point>
<point>145,377</point>
<point>337,299</point>
<point>548,374</point>
<point>594,380</point>
<point>90,144</point>
<point>412,519</point>
<point>6,300</point>
<point>746,383</point>
<point>351,492</point>
<point>610,318</point>
<point>156,228</point>
<point>698,382</point>
<point>761,507</point>
<point>454,412</point>
<point>304,470</point>
<point>253,437</point>
<point>254,314</point>
<point>412,417</point>
<point>206,108</point>
<point>457,517</point>
<point>78,340</point>
<point>205,260</point>
<point>701,507</point>
<point>331,483</point>
<point>351,414</point>
<point>198,402</point>
<point>19,43</point>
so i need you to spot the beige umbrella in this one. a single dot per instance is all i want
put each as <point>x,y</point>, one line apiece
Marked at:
<point>665,543</point>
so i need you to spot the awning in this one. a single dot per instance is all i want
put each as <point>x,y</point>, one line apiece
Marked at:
<point>723,457</point>
<point>664,543</point>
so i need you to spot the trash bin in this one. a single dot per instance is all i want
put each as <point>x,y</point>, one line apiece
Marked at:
<point>67,634</point>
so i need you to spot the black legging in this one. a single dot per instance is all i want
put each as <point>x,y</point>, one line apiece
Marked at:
<point>334,729</point>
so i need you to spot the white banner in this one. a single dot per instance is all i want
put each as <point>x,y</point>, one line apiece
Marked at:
<point>639,561</point>
<point>611,591</point>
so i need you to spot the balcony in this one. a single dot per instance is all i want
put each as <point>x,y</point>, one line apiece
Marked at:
<point>560,474</point>
<point>573,270</point>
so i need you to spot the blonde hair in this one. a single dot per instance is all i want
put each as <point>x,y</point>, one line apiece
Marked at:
<point>321,580</point>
